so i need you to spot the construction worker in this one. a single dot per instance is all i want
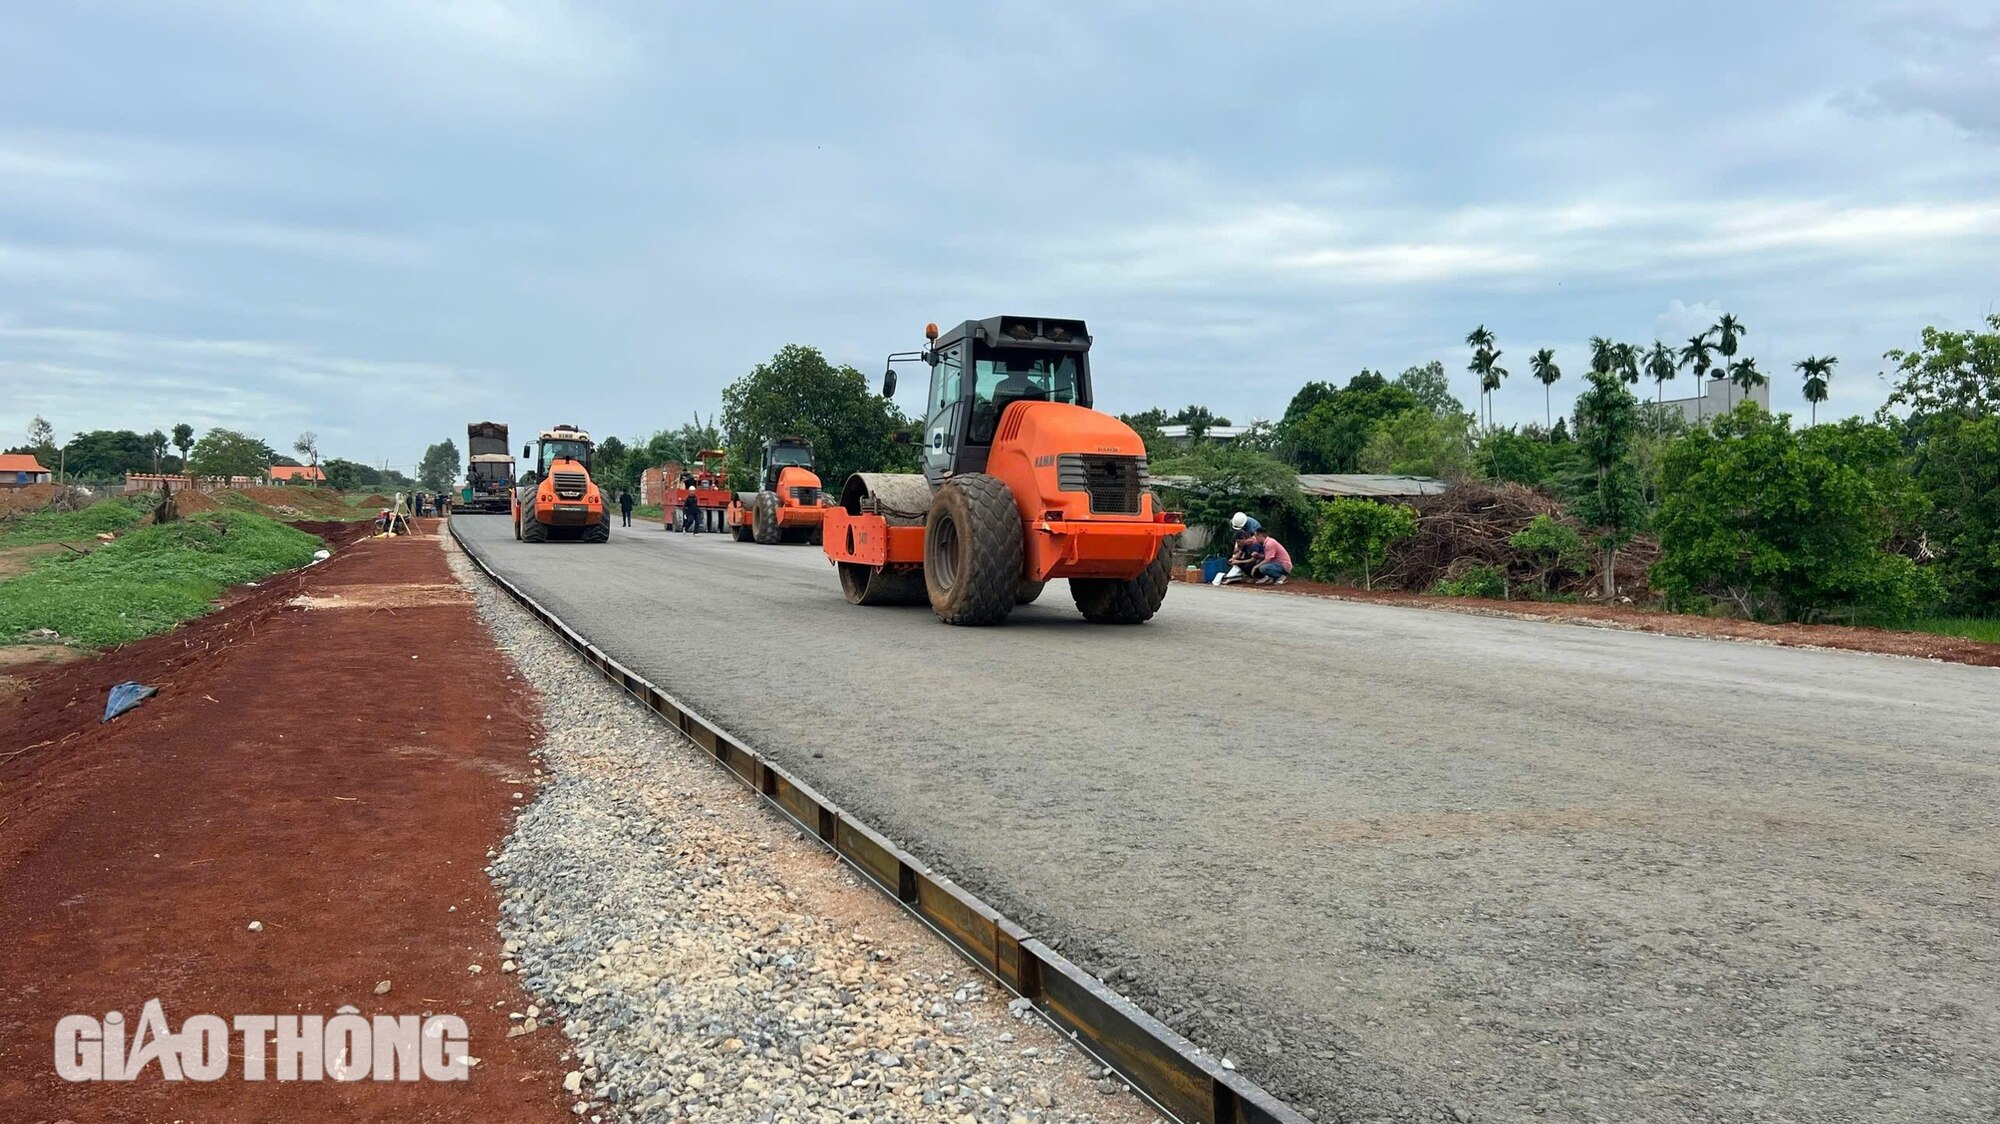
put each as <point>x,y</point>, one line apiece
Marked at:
<point>1277,564</point>
<point>625,506</point>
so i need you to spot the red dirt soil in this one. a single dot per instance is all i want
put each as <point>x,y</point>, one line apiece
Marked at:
<point>336,774</point>
<point>1917,645</point>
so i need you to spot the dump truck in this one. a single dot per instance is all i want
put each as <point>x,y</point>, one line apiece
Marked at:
<point>711,492</point>
<point>787,505</point>
<point>556,498</point>
<point>1022,483</point>
<point>489,469</point>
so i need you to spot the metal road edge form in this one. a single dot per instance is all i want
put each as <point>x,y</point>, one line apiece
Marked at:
<point>1162,1066</point>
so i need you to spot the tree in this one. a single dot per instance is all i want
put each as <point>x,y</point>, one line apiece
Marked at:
<point>1542,364</point>
<point>1728,331</point>
<point>1626,356</point>
<point>798,393</point>
<point>1951,385</point>
<point>1330,433</point>
<point>349,474</point>
<point>42,441</point>
<point>156,444</point>
<point>1483,357</point>
<point>1210,482</point>
<point>1745,375</point>
<point>307,446</point>
<point>1816,370</point>
<point>1952,372</point>
<point>184,441</point>
<point>1356,534</point>
<point>1147,423</point>
<point>1790,524</point>
<point>1607,498</point>
<point>1431,387</point>
<point>1661,367</point>
<point>1697,356</point>
<point>439,468</point>
<point>106,455</point>
<point>223,453</point>
<point>1420,443</point>
<point>611,465</point>
<point>1603,354</point>
<point>1529,457</point>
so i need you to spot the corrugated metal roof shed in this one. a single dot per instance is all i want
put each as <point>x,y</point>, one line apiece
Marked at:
<point>1363,485</point>
<point>1368,485</point>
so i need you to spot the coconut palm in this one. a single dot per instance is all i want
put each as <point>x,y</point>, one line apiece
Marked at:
<point>1697,356</point>
<point>1728,331</point>
<point>1603,355</point>
<point>1660,365</point>
<point>1817,370</point>
<point>1745,375</point>
<point>1543,365</point>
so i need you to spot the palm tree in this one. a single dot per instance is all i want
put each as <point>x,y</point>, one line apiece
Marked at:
<point>1490,379</point>
<point>1817,370</point>
<point>1481,342</point>
<point>1728,330</point>
<point>1745,375</point>
<point>1603,355</point>
<point>1626,357</point>
<point>1543,364</point>
<point>1660,365</point>
<point>1696,357</point>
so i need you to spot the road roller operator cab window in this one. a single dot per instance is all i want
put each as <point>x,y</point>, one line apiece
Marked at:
<point>1002,376</point>
<point>554,450</point>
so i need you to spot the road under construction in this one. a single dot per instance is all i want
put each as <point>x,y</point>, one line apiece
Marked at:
<point>1391,861</point>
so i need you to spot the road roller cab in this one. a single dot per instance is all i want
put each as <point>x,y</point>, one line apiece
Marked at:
<point>556,498</point>
<point>1022,482</point>
<point>787,505</point>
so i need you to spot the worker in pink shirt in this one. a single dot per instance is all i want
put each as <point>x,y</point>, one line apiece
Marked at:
<point>1277,564</point>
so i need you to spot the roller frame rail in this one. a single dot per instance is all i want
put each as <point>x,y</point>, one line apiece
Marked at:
<point>1163,1067</point>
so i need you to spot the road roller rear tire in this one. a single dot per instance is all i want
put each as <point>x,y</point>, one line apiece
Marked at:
<point>1116,601</point>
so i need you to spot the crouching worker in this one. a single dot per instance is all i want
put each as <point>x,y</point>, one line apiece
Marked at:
<point>1277,561</point>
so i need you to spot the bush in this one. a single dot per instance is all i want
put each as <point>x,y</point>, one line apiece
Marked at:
<point>1355,535</point>
<point>149,580</point>
<point>1557,547</point>
<point>1788,524</point>
<point>1476,581</point>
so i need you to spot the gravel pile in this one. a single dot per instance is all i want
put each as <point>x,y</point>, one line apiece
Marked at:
<point>709,962</point>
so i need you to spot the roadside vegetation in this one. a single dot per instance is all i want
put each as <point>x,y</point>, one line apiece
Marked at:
<point>34,527</point>
<point>149,580</point>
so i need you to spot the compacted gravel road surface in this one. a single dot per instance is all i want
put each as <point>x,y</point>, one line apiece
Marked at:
<point>1398,864</point>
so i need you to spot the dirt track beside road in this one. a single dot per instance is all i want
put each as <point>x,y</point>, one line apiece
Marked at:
<point>337,774</point>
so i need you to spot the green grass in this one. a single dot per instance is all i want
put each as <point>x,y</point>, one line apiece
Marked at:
<point>149,580</point>
<point>68,526</point>
<point>1972,628</point>
<point>647,511</point>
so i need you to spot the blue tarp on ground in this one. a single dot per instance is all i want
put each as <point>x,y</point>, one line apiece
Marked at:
<point>124,697</point>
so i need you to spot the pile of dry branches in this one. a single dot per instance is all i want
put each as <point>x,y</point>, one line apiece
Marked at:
<point>1470,525</point>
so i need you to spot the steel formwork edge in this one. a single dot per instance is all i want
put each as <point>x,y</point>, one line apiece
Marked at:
<point>1162,1066</point>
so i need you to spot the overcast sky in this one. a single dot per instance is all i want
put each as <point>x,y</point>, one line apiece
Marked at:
<point>380,219</point>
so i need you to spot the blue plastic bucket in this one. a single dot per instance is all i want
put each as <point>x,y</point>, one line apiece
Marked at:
<point>1211,568</point>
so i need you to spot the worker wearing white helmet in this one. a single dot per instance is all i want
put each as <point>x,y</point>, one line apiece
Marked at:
<point>1243,525</point>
